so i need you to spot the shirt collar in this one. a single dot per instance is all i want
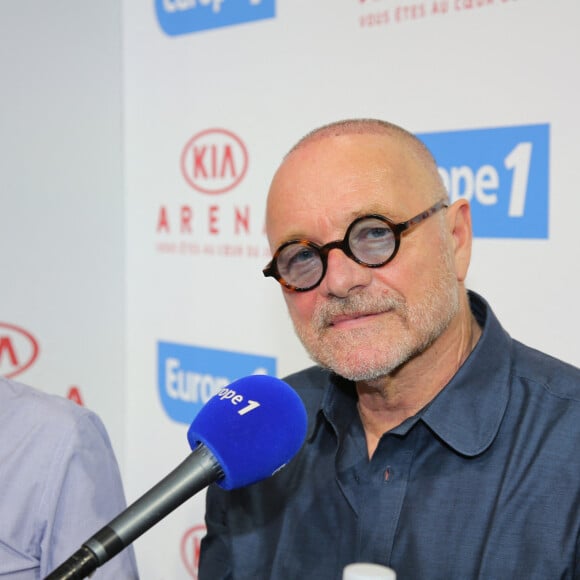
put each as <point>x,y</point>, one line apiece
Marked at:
<point>467,413</point>
<point>339,404</point>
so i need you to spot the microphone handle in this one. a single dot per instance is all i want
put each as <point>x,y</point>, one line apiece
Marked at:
<point>80,565</point>
<point>195,473</point>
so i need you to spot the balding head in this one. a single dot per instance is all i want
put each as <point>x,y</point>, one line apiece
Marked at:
<point>339,161</point>
<point>408,142</point>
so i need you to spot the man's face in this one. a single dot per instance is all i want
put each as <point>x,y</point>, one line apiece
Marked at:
<point>364,323</point>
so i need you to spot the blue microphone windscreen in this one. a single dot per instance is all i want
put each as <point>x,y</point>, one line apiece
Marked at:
<point>253,427</point>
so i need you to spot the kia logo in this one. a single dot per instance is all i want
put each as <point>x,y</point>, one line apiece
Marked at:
<point>190,549</point>
<point>214,161</point>
<point>18,350</point>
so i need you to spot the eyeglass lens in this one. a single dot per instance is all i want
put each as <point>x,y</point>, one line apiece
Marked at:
<point>369,240</point>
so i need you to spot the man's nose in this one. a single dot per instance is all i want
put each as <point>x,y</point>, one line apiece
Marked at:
<point>344,275</point>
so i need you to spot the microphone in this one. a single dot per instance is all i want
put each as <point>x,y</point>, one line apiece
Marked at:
<point>368,571</point>
<point>246,432</point>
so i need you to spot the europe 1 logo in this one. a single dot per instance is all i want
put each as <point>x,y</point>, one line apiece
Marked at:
<point>502,172</point>
<point>189,376</point>
<point>178,17</point>
<point>227,394</point>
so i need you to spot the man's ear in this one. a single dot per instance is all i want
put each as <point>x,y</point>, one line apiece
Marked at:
<point>459,222</point>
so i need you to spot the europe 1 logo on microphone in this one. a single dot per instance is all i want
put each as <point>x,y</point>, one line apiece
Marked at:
<point>236,399</point>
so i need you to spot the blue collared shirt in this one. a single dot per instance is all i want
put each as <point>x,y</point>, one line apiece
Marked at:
<point>59,484</point>
<point>483,483</point>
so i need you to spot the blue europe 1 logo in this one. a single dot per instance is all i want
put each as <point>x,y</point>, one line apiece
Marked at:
<point>186,16</point>
<point>188,376</point>
<point>502,172</point>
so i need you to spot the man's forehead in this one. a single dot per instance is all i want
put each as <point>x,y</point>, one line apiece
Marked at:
<point>349,161</point>
<point>320,222</point>
<point>372,185</point>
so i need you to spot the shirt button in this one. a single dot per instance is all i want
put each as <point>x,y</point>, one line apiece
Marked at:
<point>389,473</point>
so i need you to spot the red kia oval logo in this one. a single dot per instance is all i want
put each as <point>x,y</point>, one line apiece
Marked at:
<point>214,161</point>
<point>190,549</point>
<point>18,350</point>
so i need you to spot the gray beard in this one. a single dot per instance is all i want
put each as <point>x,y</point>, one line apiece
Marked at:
<point>424,323</point>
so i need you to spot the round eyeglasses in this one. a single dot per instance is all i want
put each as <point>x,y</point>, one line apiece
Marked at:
<point>370,240</point>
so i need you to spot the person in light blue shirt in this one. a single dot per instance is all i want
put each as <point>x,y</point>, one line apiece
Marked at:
<point>438,445</point>
<point>59,484</point>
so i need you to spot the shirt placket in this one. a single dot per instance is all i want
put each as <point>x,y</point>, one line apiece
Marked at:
<point>382,484</point>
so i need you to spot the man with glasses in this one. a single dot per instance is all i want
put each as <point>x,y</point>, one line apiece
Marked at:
<point>437,445</point>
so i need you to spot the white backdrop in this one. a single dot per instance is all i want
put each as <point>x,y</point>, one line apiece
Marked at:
<point>62,202</point>
<point>145,288</point>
